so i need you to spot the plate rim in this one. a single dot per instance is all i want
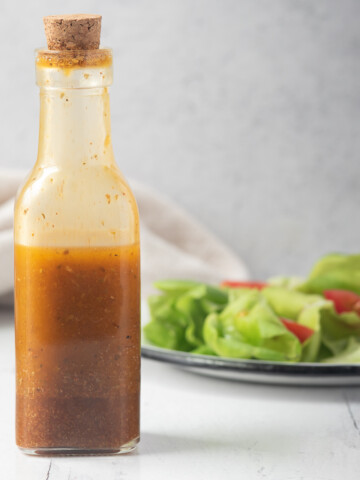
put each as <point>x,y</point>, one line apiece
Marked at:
<point>208,362</point>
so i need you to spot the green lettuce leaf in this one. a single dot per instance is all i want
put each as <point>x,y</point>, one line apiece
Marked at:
<point>178,314</point>
<point>167,327</point>
<point>350,354</point>
<point>175,287</point>
<point>248,328</point>
<point>291,283</point>
<point>332,330</point>
<point>310,317</point>
<point>334,271</point>
<point>204,350</point>
<point>288,303</point>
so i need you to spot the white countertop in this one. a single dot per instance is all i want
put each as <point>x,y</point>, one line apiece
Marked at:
<point>197,427</point>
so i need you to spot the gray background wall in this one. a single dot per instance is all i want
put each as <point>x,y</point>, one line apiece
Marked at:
<point>244,112</point>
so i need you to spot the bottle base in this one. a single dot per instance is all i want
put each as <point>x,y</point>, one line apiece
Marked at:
<point>67,451</point>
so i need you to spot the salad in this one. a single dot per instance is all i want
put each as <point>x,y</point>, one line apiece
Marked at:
<point>287,319</point>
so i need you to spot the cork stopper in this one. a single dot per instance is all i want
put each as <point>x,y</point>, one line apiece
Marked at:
<point>73,32</point>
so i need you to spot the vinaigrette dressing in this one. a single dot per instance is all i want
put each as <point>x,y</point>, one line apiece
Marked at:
<point>77,270</point>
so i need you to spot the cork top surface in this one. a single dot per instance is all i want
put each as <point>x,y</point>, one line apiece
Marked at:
<point>73,32</point>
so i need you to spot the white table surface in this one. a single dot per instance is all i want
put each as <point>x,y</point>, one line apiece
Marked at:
<point>197,427</point>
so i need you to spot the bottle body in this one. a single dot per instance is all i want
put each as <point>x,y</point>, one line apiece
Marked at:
<point>77,278</point>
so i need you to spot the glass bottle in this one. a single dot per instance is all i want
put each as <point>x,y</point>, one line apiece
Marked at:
<point>77,277</point>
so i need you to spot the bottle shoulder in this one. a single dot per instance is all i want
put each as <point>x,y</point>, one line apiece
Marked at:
<point>90,201</point>
<point>51,179</point>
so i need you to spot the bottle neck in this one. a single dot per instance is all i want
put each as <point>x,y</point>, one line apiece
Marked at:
<point>74,127</point>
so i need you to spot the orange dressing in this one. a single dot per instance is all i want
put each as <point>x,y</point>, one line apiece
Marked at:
<point>77,346</point>
<point>70,59</point>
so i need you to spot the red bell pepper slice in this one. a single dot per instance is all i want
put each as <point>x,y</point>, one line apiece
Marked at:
<point>233,284</point>
<point>343,300</point>
<point>300,331</point>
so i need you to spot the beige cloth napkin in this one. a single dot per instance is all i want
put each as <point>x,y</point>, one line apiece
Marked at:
<point>173,244</point>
